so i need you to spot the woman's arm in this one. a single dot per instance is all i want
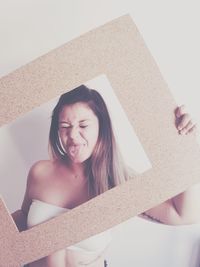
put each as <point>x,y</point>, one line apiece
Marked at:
<point>57,259</point>
<point>20,216</point>
<point>185,207</point>
<point>180,210</point>
<point>187,204</point>
<point>20,219</point>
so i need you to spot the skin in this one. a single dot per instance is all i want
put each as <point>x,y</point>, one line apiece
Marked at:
<point>78,131</point>
<point>54,182</point>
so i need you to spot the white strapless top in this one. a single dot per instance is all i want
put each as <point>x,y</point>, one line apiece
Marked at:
<point>40,212</point>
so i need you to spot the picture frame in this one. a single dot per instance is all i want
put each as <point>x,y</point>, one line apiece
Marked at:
<point>118,50</point>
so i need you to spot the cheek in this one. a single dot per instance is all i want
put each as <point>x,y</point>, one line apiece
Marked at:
<point>92,136</point>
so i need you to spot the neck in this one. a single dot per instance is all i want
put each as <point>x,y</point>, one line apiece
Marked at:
<point>77,168</point>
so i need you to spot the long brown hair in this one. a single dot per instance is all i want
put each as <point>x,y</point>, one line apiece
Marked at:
<point>105,168</point>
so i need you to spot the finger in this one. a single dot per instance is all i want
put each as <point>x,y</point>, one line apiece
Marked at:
<point>185,119</point>
<point>180,111</point>
<point>187,128</point>
<point>193,129</point>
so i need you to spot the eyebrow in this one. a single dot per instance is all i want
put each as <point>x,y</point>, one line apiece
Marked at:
<point>85,120</point>
<point>65,122</point>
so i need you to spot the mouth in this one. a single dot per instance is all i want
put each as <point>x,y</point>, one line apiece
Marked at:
<point>75,149</point>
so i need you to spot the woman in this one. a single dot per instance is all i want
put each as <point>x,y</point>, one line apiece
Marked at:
<point>85,162</point>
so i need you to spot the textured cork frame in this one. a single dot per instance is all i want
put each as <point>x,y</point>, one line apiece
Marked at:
<point>117,50</point>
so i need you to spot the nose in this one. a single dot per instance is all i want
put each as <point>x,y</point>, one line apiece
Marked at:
<point>73,133</point>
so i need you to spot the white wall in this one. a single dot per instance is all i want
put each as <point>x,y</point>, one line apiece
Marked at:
<point>29,29</point>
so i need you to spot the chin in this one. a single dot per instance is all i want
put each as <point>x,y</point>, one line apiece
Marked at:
<point>79,160</point>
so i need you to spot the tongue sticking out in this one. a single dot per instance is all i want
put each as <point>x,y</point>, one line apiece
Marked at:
<point>74,150</point>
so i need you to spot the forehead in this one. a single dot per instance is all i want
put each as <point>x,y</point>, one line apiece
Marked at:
<point>77,111</point>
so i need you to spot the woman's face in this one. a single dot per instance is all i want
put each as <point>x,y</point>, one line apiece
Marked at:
<point>78,131</point>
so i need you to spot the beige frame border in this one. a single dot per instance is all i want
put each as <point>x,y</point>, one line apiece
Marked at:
<point>117,50</point>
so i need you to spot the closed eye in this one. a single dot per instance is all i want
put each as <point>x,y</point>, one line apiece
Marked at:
<point>65,127</point>
<point>83,126</point>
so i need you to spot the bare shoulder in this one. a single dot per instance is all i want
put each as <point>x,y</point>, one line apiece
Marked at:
<point>36,174</point>
<point>50,181</point>
<point>39,175</point>
<point>40,169</point>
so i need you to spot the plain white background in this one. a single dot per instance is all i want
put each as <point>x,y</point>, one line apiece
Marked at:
<point>29,29</point>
